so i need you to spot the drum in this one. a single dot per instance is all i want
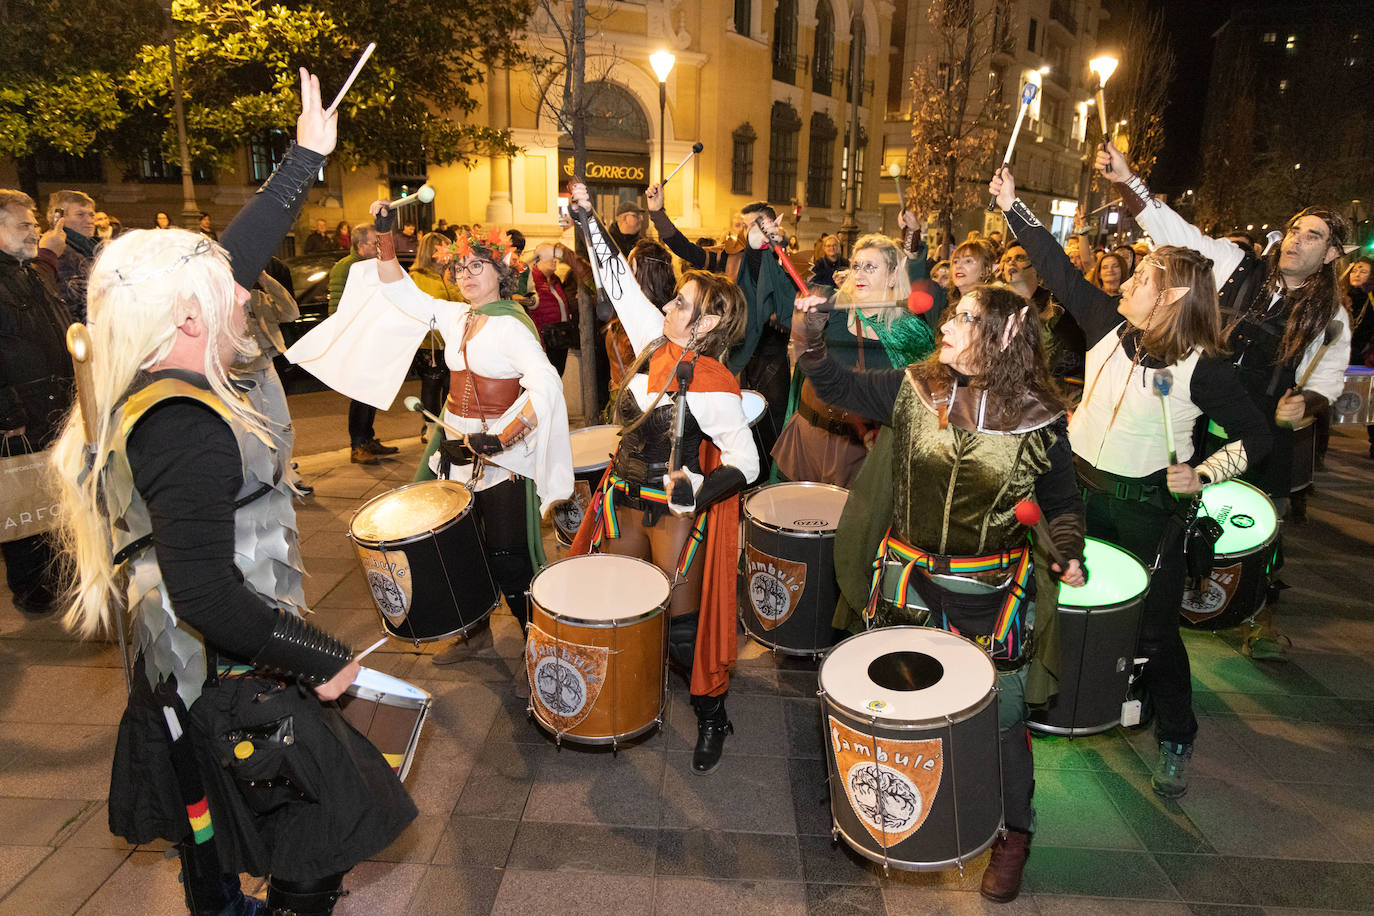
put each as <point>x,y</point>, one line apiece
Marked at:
<point>912,747</point>
<point>592,448</point>
<point>421,551</point>
<point>597,654</point>
<point>1236,589</point>
<point>755,406</point>
<point>789,566</point>
<point>1355,406</point>
<point>1304,455</point>
<point>389,713</point>
<point>1098,626</point>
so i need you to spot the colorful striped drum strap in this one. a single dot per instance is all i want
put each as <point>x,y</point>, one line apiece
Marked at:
<point>603,508</point>
<point>893,548</point>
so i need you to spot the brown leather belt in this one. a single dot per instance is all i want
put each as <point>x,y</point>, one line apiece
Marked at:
<point>833,420</point>
<point>479,397</point>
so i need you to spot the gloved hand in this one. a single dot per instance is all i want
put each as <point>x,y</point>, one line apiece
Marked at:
<point>485,444</point>
<point>383,217</point>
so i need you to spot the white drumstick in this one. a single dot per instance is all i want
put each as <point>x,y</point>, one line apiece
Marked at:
<point>413,404</point>
<point>348,83</point>
<point>370,649</point>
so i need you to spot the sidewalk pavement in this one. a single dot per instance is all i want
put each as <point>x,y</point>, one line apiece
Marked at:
<point>1278,818</point>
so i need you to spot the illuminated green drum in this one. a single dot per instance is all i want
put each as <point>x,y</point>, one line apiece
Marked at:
<point>1098,624</point>
<point>1235,591</point>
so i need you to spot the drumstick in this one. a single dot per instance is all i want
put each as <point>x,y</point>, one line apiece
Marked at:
<point>370,649</point>
<point>1027,96</point>
<point>348,83</point>
<point>1333,330</point>
<point>1163,383</point>
<point>783,259</point>
<point>1029,514</point>
<point>413,404</point>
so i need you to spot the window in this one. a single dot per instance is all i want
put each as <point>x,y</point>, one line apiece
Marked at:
<point>859,171</point>
<point>1283,85</point>
<point>823,60</point>
<point>820,171</point>
<point>1291,46</point>
<point>151,166</point>
<point>742,160</point>
<point>1030,42</point>
<point>784,125</point>
<point>785,42</point>
<point>743,13</point>
<point>50,165</point>
<point>265,151</point>
<point>1269,38</point>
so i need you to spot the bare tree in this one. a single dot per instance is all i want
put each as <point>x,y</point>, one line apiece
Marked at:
<point>956,111</point>
<point>1139,91</point>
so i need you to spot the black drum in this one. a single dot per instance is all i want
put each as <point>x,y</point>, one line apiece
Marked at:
<point>910,718</point>
<point>1238,586</point>
<point>422,554</point>
<point>592,448</point>
<point>1098,625</point>
<point>789,566</point>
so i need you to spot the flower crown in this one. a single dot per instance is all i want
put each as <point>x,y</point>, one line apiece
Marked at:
<point>490,248</point>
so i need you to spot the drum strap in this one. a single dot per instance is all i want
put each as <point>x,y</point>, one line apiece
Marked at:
<point>1005,634</point>
<point>607,527</point>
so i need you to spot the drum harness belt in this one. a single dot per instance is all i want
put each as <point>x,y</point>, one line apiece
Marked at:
<point>893,548</point>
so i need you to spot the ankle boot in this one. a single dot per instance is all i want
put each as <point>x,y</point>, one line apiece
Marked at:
<point>1002,877</point>
<point>682,640</point>
<point>712,727</point>
<point>295,902</point>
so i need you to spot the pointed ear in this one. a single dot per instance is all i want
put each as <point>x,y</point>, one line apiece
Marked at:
<point>1174,293</point>
<point>1013,326</point>
<point>706,324</point>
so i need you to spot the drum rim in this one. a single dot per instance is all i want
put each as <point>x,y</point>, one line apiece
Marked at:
<point>418,536</point>
<point>461,631</point>
<point>752,519</point>
<point>1241,554</point>
<point>1115,605</point>
<point>829,701</point>
<point>914,864</point>
<point>603,624</point>
<point>367,693</point>
<point>586,468</point>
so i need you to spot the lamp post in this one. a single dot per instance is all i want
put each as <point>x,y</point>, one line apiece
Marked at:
<point>190,212</point>
<point>662,62</point>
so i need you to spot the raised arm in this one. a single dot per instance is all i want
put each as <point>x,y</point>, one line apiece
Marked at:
<point>677,243</point>
<point>869,394</point>
<point>1093,309</point>
<point>1164,225</point>
<point>643,322</point>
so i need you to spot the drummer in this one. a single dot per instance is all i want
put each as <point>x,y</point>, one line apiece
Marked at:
<point>1166,320</point>
<point>506,423</point>
<point>977,427</point>
<point>669,494</point>
<point>869,328</point>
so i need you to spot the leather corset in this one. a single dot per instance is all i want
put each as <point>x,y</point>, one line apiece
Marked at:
<point>480,397</point>
<point>643,454</point>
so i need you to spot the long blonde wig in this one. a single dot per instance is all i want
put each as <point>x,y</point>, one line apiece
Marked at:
<point>138,287</point>
<point>898,286</point>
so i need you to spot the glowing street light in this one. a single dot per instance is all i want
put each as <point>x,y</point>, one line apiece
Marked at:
<point>1104,67</point>
<point>662,61</point>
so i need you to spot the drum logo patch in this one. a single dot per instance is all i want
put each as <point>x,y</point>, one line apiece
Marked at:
<point>1213,595</point>
<point>565,678</point>
<point>389,580</point>
<point>891,785</point>
<point>775,586</point>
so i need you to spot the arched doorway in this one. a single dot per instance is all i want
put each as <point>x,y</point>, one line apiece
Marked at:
<point>617,149</point>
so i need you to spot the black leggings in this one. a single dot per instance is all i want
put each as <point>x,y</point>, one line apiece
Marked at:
<point>502,513</point>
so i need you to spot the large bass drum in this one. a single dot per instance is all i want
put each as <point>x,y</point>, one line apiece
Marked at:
<point>910,718</point>
<point>1098,626</point>
<point>1355,406</point>
<point>789,566</point>
<point>1237,588</point>
<point>421,550</point>
<point>597,652</point>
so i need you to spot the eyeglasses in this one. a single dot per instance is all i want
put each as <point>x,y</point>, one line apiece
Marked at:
<point>869,269</point>
<point>966,318</point>
<point>473,267</point>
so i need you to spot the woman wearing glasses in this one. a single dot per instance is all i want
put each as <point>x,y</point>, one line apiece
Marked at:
<point>975,428</point>
<point>647,508</point>
<point>1139,484</point>
<point>869,327</point>
<point>505,399</point>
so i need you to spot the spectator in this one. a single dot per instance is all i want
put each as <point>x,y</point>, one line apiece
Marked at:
<point>76,212</point>
<point>629,226</point>
<point>104,228</point>
<point>939,274</point>
<point>162,220</point>
<point>829,258</point>
<point>517,240</point>
<point>1127,255</point>
<point>407,242</point>
<point>1109,274</point>
<point>319,240</point>
<point>343,236</point>
<point>434,281</point>
<point>206,229</point>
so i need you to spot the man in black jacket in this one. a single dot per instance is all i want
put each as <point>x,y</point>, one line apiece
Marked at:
<point>35,374</point>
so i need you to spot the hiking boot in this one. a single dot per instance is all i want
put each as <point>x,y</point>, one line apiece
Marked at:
<point>1002,877</point>
<point>361,455</point>
<point>1266,646</point>
<point>376,448</point>
<point>1170,776</point>
<point>464,647</point>
<point>713,725</point>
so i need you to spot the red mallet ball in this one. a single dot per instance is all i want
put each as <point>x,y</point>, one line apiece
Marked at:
<point>920,299</point>
<point>1027,513</point>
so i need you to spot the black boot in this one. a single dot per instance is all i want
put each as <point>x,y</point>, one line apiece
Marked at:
<point>304,898</point>
<point>712,726</point>
<point>682,640</point>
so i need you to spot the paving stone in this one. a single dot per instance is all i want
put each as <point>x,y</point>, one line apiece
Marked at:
<point>1255,818</point>
<point>62,882</point>
<point>41,821</point>
<point>18,861</point>
<point>454,891</point>
<point>908,900</point>
<point>60,696</point>
<point>742,794</point>
<point>827,899</point>
<point>727,855</point>
<point>1315,885</point>
<point>476,841</point>
<point>584,847</point>
<point>68,761</point>
<point>1096,872</point>
<point>150,878</point>
<point>573,894</point>
<point>1073,809</point>
<point>764,898</point>
<point>597,787</point>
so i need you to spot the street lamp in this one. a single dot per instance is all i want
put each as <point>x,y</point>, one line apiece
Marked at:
<point>662,62</point>
<point>1104,67</point>
<point>190,213</point>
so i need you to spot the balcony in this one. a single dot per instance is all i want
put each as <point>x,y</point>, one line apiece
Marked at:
<point>1061,12</point>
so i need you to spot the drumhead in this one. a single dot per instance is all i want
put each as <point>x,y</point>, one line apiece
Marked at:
<point>1246,516</point>
<point>809,508</point>
<point>754,405</point>
<point>1115,576</point>
<point>371,684</point>
<point>599,587</point>
<point>592,447</point>
<point>416,508</point>
<point>907,674</point>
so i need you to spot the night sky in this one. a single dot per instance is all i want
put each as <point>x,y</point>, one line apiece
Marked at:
<point>1190,24</point>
